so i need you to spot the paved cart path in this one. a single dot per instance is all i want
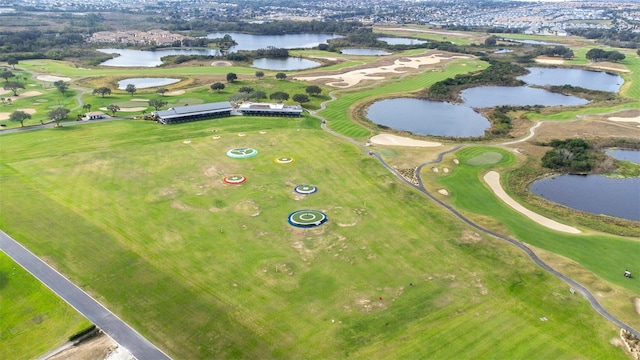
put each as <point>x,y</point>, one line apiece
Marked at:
<point>104,319</point>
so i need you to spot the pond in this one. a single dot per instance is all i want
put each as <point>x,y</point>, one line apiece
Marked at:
<point>402,41</point>
<point>425,117</point>
<point>142,83</point>
<point>626,155</point>
<point>593,80</point>
<point>489,96</point>
<point>364,52</point>
<point>502,51</point>
<point>534,42</point>
<point>146,58</point>
<point>290,63</point>
<point>596,194</point>
<point>288,41</point>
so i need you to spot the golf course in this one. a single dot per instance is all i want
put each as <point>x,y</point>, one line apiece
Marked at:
<point>271,238</point>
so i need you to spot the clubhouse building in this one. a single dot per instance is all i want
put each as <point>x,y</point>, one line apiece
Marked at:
<point>190,113</point>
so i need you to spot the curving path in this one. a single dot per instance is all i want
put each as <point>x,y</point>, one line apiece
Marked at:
<point>104,319</point>
<point>595,304</point>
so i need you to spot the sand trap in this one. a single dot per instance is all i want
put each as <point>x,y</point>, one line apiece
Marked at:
<point>22,95</point>
<point>354,77</point>
<point>6,115</point>
<point>549,61</point>
<point>221,63</point>
<point>174,93</point>
<point>389,139</point>
<point>51,78</point>
<point>435,169</point>
<point>493,180</point>
<point>127,109</point>
<point>3,91</point>
<point>636,304</point>
<point>324,58</point>
<point>622,119</point>
<point>443,192</point>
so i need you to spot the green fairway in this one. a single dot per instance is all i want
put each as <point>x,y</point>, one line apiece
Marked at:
<point>143,220</point>
<point>30,311</point>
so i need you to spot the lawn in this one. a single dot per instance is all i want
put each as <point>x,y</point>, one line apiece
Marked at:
<point>142,220</point>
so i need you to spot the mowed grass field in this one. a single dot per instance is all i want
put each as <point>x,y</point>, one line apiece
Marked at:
<point>143,221</point>
<point>33,318</point>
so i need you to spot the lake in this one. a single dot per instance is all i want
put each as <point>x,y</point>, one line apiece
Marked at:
<point>364,52</point>
<point>593,80</point>
<point>402,41</point>
<point>142,83</point>
<point>596,194</point>
<point>147,58</point>
<point>425,117</point>
<point>489,96</point>
<point>290,63</point>
<point>288,41</point>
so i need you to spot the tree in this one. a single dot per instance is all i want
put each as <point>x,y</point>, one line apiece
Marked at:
<point>217,86</point>
<point>300,98</point>
<point>259,74</point>
<point>157,103</point>
<point>239,97</point>
<point>86,107</point>
<point>638,52</point>
<point>313,90</point>
<point>231,77</point>
<point>13,62</point>
<point>161,91</point>
<point>13,86</point>
<point>62,86</point>
<point>58,114</point>
<point>257,95</point>
<point>491,41</point>
<point>245,89</point>
<point>6,74</point>
<point>113,108</point>
<point>279,95</point>
<point>102,91</point>
<point>615,56</point>
<point>281,76</point>
<point>19,116</point>
<point>130,89</point>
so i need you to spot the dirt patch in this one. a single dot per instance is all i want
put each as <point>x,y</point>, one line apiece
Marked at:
<point>100,347</point>
<point>51,78</point>
<point>493,180</point>
<point>636,305</point>
<point>389,139</point>
<point>6,115</point>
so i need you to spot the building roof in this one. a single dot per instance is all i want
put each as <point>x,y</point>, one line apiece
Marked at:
<point>194,109</point>
<point>270,107</point>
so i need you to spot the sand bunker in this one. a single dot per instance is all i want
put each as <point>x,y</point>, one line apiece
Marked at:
<point>6,115</point>
<point>174,93</point>
<point>389,139</point>
<point>549,61</point>
<point>221,63</point>
<point>51,78</point>
<point>126,109</point>
<point>493,180</point>
<point>443,192</point>
<point>354,77</point>
<point>622,119</point>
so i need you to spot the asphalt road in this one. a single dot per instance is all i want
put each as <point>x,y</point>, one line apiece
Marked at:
<point>104,319</point>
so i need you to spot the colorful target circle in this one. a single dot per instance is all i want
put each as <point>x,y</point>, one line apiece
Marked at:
<point>284,160</point>
<point>307,218</point>
<point>241,153</point>
<point>305,189</point>
<point>234,179</point>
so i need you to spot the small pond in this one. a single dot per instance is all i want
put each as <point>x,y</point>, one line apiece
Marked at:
<point>147,58</point>
<point>596,194</point>
<point>288,41</point>
<point>142,83</point>
<point>626,155</point>
<point>593,80</point>
<point>534,42</point>
<point>402,41</point>
<point>502,51</point>
<point>290,63</point>
<point>364,52</point>
<point>489,96</point>
<point>426,117</point>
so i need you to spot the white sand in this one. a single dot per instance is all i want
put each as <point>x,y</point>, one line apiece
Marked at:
<point>389,139</point>
<point>493,180</point>
<point>443,192</point>
<point>6,115</point>
<point>354,77</point>
<point>622,119</point>
<point>51,78</point>
<point>221,63</point>
<point>549,61</point>
<point>126,109</point>
<point>174,93</point>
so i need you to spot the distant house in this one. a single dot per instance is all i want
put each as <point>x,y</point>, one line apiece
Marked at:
<point>95,115</point>
<point>189,113</point>
<point>268,109</point>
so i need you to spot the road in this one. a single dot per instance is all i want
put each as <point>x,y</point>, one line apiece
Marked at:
<point>104,319</point>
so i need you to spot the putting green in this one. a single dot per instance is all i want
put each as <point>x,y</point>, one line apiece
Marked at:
<point>486,158</point>
<point>241,153</point>
<point>307,218</point>
<point>284,160</point>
